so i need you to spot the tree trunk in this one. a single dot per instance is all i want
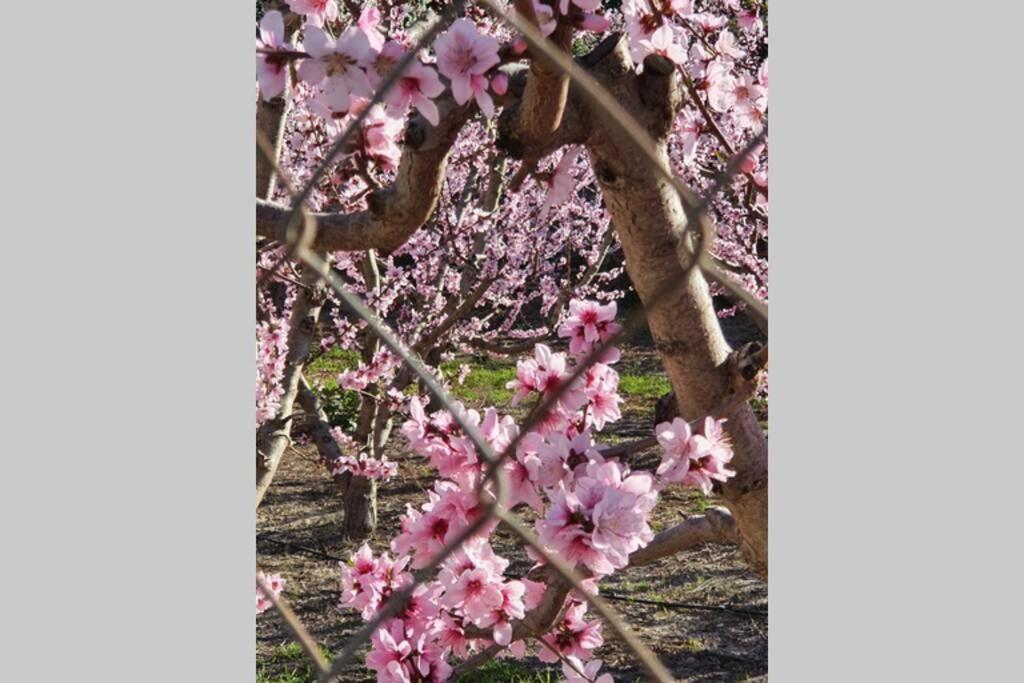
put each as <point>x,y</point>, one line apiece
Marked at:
<point>360,508</point>
<point>649,219</point>
<point>361,496</point>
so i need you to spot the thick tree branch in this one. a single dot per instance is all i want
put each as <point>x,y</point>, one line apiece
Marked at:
<point>547,88</point>
<point>716,525</point>
<point>395,212</point>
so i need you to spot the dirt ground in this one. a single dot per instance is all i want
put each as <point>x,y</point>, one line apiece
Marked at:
<point>701,611</point>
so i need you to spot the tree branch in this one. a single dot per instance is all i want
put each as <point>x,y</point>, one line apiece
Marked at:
<point>274,436</point>
<point>320,430</point>
<point>395,212</point>
<point>547,88</point>
<point>716,525</point>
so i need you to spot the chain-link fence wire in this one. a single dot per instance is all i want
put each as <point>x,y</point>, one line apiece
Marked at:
<point>493,487</point>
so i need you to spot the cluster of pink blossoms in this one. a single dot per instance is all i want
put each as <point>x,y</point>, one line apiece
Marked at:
<point>271,348</point>
<point>601,517</point>
<point>692,459</point>
<point>365,466</point>
<point>383,365</point>
<point>276,585</point>
<point>343,70</point>
<point>593,513</point>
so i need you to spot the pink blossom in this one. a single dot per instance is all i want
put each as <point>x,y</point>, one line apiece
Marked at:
<point>390,653</point>
<point>710,22</point>
<point>728,47</point>
<point>545,17</point>
<point>511,608</point>
<point>577,672</point>
<point>499,84</point>
<point>365,466</point>
<point>594,22</point>
<point>352,380</point>
<point>546,373</point>
<point>336,65</point>
<point>276,585</point>
<point>271,70</point>
<point>379,141</point>
<point>561,458</point>
<point>522,472</point>
<point>478,86</point>
<point>602,391</point>
<point>751,161</point>
<point>367,23</point>
<point>696,460</point>
<point>665,42</point>
<point>750,21</point>
<point>316,11</point>
<point>572,637</point>
<point>690,128</point>
<point>681,7</point>
<point>452,634</point>
<point>566,530</point>
<point>362,582</point>
<point>384,61</point>
<point>464,52</point>
<point>589,324</point>
<point>416,87</point>
<point>561,183</point>
<point>674,438</point>
<point>474,593</point>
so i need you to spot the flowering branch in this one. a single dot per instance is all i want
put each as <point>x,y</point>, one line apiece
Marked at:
<point>716,525</point>
<point>393,213</point>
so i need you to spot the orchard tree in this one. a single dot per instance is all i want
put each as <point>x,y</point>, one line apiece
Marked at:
<point>480,189</point>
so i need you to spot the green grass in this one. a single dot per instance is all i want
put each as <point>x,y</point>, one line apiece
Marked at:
<point>293,665</point>
<point>644,386</point>
<point>335,361</point>
<point>485,384</point>
<point>509,671</point>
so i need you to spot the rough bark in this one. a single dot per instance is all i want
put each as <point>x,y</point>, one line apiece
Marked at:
<point>649,219</point>
<point>360,505</point>
<point>270,120</point>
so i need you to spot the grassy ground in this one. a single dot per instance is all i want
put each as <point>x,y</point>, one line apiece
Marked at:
<point>701,611</point>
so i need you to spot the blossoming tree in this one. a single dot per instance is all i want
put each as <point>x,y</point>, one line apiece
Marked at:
<point>481,186</point>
